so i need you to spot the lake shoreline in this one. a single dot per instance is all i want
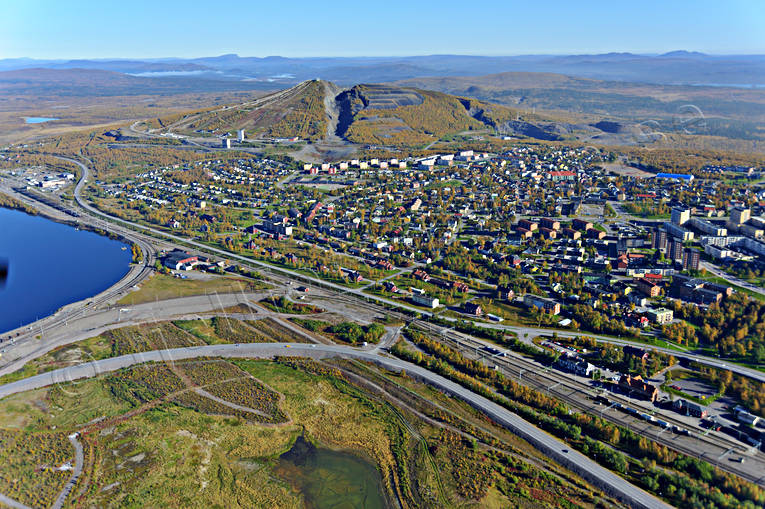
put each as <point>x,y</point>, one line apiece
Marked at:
<point>36,212</point>
<point>43,287</point>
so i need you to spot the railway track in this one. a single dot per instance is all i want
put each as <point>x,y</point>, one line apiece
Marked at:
<point>552,383</point>
<point>129,280</point>
<point>516,365</point>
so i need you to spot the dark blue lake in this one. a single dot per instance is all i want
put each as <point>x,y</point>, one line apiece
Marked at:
<point>51,265</point>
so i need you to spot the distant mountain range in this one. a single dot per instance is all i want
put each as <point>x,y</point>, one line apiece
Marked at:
<point>548,97</point>
<point>676,67</point>
<point>78,82</point>
<point>558,92</point>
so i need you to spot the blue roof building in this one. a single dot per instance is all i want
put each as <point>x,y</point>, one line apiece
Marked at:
<point>677,176</point>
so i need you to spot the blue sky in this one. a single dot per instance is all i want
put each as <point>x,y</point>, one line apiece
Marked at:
<point>164,28</point>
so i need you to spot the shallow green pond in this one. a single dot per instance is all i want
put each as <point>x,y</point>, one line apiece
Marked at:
<point>330,479</point>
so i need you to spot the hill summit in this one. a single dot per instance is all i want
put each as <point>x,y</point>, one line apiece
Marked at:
<point>319,111</point>
<point>297,111</point>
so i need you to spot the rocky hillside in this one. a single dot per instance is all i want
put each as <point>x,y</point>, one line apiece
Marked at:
<point>321,112</point>
<point>389,115</point>
<point>379,115</point>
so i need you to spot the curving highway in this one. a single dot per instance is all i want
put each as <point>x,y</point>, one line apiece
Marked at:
<point>559,451</point>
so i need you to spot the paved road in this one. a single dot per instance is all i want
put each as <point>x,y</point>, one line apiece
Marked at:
<point>732,279</point>
<point>12,503</point>
<point>79,461</point>
<point>551,446</point>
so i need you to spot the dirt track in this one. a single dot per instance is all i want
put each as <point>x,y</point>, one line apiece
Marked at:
<point>332,147</point>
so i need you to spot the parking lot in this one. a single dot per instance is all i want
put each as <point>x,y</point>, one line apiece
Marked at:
<point>694,387</point>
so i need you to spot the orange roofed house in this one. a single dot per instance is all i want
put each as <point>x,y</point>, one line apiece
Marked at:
<point>636,386</point>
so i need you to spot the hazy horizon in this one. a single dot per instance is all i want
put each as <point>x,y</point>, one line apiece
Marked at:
<point>363,56</point>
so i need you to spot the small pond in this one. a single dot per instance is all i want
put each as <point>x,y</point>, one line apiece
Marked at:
<point>330,479</point>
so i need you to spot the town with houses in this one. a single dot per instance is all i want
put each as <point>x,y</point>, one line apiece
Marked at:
<point>327,256</point>
<point>534,236</point>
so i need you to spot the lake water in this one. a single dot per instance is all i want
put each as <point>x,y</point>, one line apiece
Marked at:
<point>330,479</point>
<point>37,120</point>
<point>51,265</point>
<point>162,74</point>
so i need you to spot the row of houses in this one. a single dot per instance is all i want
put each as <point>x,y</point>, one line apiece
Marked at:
<point>440,282</point>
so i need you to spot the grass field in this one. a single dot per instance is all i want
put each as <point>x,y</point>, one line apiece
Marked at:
<point>162,287</point>
<point>512,314</point>
<point>31,465</point>
<point>177,457</point>
<point>155,453</point>
<point>209,432</point>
